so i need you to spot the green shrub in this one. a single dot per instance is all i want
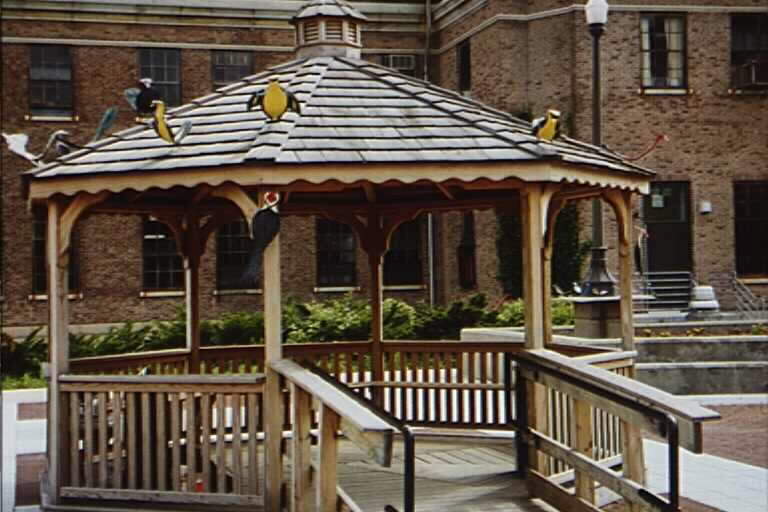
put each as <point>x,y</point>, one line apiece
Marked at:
<point>436,322</point>
<point>237,328</point>
<point>23,357</point>
<point>26,381</point>
<point>562,312</point>
<point>344,319</point>
<point>399,319</point>
<point>512,313</point>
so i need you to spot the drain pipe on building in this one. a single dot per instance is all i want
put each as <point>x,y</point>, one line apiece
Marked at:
<point>430,215</point>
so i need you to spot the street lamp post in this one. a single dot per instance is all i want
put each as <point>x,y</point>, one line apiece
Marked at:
<point>598,281</point>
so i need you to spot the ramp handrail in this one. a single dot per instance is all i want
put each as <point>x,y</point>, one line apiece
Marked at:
<point>593,389</point>
<point>750,305</point>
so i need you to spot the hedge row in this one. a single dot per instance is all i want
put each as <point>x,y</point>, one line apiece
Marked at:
<point>345,319</point>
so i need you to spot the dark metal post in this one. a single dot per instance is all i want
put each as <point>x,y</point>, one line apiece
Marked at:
<point>598,280</point>
<point>409,501</point>
<point>521,421</point>
<point>673,444</point>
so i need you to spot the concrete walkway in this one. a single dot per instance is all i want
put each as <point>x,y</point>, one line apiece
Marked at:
<point>714,481</point>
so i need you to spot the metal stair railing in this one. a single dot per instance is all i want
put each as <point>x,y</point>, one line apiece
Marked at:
<point>748,304</point>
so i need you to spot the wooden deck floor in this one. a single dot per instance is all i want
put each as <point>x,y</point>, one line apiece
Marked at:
<point>450,476</point>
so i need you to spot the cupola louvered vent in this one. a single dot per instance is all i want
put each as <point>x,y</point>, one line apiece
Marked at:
<point>334,30</point>
<point>352,29</point>
<point>311,31</point>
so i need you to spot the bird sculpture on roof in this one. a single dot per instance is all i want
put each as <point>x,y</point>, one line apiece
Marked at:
<point>163,129</point>
<point>58,142</point>
<point>141,98</point>
<point>274,101</point>
<point>265,226</point>
<point>547,127</point>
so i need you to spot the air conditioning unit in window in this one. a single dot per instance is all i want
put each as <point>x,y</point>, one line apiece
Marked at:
<point>405,64</point>
<point>752,75</point>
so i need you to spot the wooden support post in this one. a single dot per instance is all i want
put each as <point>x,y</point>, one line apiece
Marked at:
<point>553,210</point>
<point>192,253</point>
<point>273,393</point>
<point>581,433</point>
<point>327,479</point>
<point>377,322</point>
<point>58,345</point>
<point>300,449</point>
<point>531,206</point>
<point>632,441</point>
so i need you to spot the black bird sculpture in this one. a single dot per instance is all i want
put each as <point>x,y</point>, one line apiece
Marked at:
<point>141,98</point>
<point>264,228</point>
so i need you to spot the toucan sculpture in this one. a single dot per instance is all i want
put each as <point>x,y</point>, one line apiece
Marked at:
<point>141,98</point>
<point>547,127</point>
<point>265,226</point>
<point>58,141</point>
<point>163,130</point>
<point>274,101</point>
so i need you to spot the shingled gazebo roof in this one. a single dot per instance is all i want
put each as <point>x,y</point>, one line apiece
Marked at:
<point>352,112</point>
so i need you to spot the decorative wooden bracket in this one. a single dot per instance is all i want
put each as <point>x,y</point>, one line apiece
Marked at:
<point>71,213</point>
<point>549,190</point>
<point>621,201</point>
<point>238,196</point>
<point>375,230</point>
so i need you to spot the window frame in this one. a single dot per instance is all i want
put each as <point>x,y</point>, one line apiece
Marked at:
<point>330,238</point>
<point>39,287</point>
<point>653,84</point>
<point>749,227</point>
<point>406,250</point>
<point>163,86</point>
<point>215,66</point>
<point>64,109</point>
<point>231,261</point>
<point>464,66</point>
<point>388,60</point>
<point>738,61</point>
<point>168,251</point>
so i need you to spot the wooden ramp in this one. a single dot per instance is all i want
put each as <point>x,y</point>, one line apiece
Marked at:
<point>450,476</point>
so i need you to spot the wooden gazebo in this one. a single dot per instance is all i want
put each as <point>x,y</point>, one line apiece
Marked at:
<point>370,148</point>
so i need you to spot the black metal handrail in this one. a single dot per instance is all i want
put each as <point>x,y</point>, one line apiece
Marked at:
<point>666,424</point>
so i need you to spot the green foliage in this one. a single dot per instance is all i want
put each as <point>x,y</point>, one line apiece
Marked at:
<point>562,312</point>
<point>26,381</point>
<point>344,319</point>
<point>512,313</point>
<point>22,357</point>
<point>399,319</point>
<point>236,329</point>
<point>759,330</point>
<point>436,323</point>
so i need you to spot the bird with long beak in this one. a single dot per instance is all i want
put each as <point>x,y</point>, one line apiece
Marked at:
<point>274,101</point>
<point>141,98</point>
<point>547,127</point>
<point>163,130</point>
<point>265,226</point>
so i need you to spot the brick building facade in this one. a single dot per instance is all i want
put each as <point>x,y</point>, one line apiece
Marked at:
<point>668,68</point>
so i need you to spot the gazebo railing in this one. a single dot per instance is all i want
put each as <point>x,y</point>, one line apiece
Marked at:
<point>161,439</point>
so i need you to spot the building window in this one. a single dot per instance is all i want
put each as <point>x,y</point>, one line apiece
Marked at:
<point>464,66</point>
<point>466,253</point>
<point>404,64</point>
<point>751,217</point>
<point>163,267</point>
<point>336,246</point>
<point>749,51</point>
<point>402,263</point>
<point>233,247</point>
<point>663,48</point>
<point>163,66</point>
<point>231,66</point>
<point>40,260</point>
<point>50,80</point>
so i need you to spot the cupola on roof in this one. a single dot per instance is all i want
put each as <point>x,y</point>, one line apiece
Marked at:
<point>328,28</point>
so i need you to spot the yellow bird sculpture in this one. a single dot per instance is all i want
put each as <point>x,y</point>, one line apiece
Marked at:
<point>274,101</point>
<point>161,127</point>
<point>547,127</point>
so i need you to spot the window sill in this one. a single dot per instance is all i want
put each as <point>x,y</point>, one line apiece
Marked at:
<point>335,289</point>
<point>677,91</point>
<point>403,287</point>
<point>748,92</point>
<point>41,297</point>
<point>63,118</point>
<point>239,291</point>
<point>160,294</point>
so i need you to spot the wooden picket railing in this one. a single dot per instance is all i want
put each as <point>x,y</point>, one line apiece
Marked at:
<point>623,407</point>
<point>166,439</point>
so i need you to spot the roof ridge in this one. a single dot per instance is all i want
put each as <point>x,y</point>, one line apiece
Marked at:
<point>461,99</point>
